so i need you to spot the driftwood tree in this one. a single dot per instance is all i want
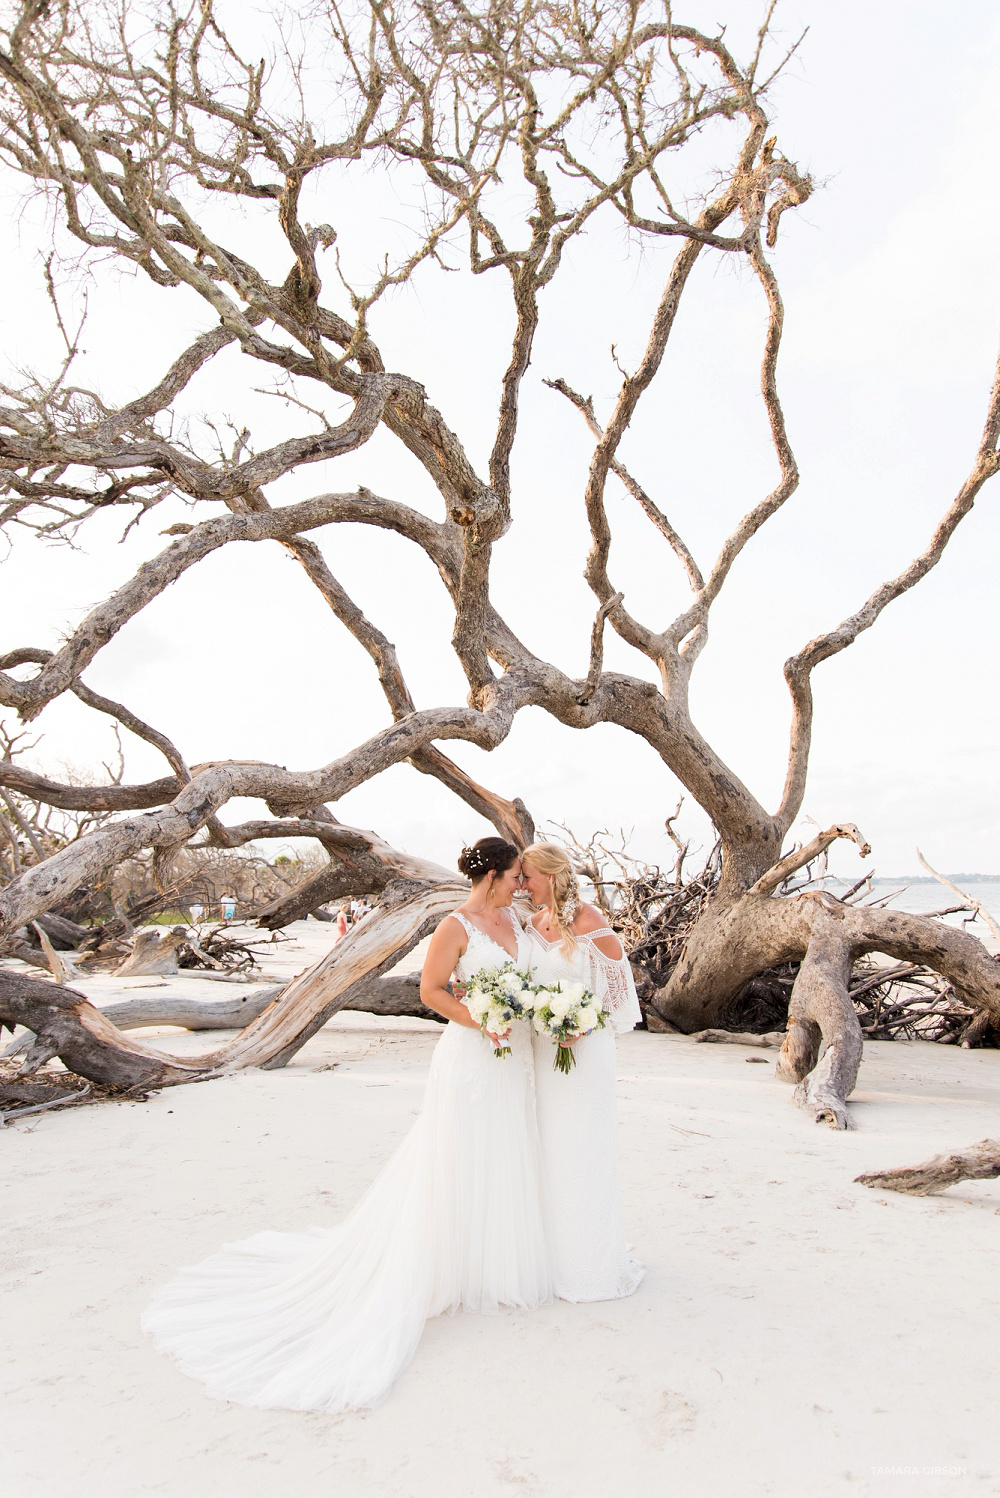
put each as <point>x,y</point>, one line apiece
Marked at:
<point>527,122</point>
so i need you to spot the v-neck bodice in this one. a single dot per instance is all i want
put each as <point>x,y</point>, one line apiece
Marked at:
<point>482,949</point>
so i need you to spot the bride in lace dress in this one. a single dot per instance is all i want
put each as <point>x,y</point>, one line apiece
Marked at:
<point>577,1114</point>
<point>328,1319</point>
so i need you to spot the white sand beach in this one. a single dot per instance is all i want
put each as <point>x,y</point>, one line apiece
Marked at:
<point>796,1333</point>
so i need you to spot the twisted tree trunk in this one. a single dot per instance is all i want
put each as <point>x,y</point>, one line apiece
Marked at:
<point>822,1051</point>
<point>126,152</point>
<point>736,939</point>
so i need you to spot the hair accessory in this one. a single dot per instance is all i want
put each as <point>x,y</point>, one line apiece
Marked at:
<point>570,906</point>
<point>474,860</point>
<point>490,855</point>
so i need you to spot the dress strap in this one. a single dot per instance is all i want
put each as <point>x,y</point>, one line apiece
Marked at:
<point>515,920</point>
<point>602,934</point>
<point>472,930</point>
<point>467,925</point>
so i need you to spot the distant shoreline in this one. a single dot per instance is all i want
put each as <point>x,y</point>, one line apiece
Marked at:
<point>922,879</point>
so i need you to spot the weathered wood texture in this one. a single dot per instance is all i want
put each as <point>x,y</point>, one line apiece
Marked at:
<point>771,1040</point>
<point>980,1162</point>
<point>736,939</point>
<point>395,995</point>
<point>127,157</point>
<point>152,952</point>
<point>822,1050</point>
<point>65,1024</point>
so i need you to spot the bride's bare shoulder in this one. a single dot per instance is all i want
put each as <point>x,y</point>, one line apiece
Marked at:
<point>451,931</point>
<point>588,919</point>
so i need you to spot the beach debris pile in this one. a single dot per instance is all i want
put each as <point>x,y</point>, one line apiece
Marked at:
<point>652,910</point>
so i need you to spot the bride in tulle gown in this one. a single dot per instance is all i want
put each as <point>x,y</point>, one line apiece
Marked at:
<point>328,1319</point>
<point>577,1114</point>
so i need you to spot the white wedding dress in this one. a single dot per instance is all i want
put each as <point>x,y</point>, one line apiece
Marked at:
<point>328,1319</point>
<point>578,1128</point>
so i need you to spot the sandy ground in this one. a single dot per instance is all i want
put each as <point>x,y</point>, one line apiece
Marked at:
<point>796,1333</point>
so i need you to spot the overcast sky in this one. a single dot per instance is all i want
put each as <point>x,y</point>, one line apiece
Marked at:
<point>892,295</point>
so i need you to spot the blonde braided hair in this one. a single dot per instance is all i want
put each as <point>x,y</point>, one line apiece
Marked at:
<point>564,901</point>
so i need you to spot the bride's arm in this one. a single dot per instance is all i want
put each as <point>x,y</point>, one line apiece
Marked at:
<point>447,946</point>
<point>611,972</point>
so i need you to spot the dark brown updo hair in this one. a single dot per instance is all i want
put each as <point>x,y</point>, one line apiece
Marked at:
<point>489,853</point>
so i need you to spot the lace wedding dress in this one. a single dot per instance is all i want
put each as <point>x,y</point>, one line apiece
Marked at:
<point>328,1319</point>
<point>578,1129</point>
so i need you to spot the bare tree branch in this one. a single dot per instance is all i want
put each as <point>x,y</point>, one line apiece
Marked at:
<point>968,902</point>
<point>508,131</point>
<point>799,668</point>
<point>800,857</point>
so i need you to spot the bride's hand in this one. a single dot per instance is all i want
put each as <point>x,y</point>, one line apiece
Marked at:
<point>498,1040</point>
<point>459,990</point>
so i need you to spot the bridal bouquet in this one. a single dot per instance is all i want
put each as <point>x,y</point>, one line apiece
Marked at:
<point>496,997</point>
<point>566,1011</point>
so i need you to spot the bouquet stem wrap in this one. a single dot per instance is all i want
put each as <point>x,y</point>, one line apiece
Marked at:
<point>566,1011</point>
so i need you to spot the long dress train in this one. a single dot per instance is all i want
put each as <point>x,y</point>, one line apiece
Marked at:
<point>578,1129</point>
<point>328,1319</point>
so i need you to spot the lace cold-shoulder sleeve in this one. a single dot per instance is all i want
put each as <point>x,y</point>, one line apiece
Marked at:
<point>613,983</point>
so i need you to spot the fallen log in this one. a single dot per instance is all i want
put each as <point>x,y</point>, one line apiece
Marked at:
<point>190,1014</point>
<point>771,1040</point>
<point>6,1114</point>
<point>67,1025</point>
<point>16,946</point>
<point>64,935</point>
<point>392,995</point>
<point>980,1162</point>
<point>396,996</point>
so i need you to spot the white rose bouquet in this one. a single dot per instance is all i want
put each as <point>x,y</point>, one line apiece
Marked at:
<point>566,1011</point>
<point>496,997</point>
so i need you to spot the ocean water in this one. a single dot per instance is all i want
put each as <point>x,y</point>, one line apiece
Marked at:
<point>921,897</point>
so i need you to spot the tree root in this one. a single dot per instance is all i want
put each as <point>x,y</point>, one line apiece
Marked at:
<point>822,1050</point>
<point>980,1162</point>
